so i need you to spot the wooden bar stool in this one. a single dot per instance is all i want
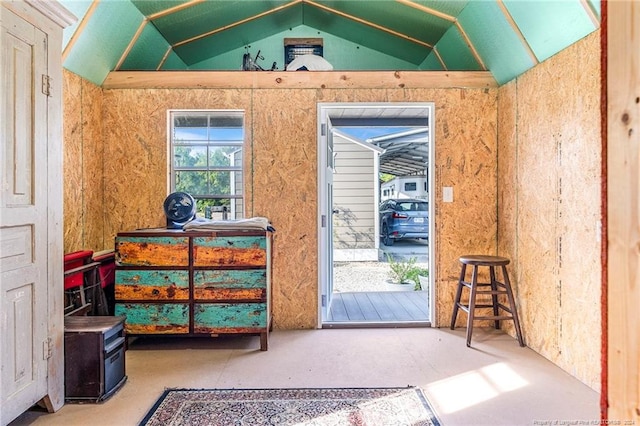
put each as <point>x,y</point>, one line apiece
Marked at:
<point>495,288</point>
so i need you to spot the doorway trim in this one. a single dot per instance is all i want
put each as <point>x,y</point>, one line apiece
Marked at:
<point>326,111</point>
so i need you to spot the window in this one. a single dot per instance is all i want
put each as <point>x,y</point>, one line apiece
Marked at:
<point>206,160</point>
<point>410,186</point>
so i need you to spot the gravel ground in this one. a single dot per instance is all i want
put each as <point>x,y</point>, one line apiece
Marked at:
<point>361,276</point>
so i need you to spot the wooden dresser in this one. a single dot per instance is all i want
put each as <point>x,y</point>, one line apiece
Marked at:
<point>195,283</point>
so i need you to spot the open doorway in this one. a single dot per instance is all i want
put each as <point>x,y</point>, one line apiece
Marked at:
<point>370,156</point>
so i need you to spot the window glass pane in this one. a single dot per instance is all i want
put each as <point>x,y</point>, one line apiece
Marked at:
<point>225,156</point>
<point>189,134</point>
<point>194,183</point>
<point>226,134</point>
<point>219,208</point>
<point>229,120</point>
<point>190,120</point>
<point>190,156</point>
<point>189,128</point>
<point>410,186</point>
<point>225,183</point>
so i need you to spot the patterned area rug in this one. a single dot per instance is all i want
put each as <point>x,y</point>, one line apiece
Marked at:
<point>317,407</point>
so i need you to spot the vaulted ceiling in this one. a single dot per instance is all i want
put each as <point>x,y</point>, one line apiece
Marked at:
<point>505,37</point>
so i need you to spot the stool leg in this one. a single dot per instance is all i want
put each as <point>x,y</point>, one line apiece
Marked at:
<point>512,302</point>
<point>472,304</point>
<point>494,295</point>
<point>456,302</point>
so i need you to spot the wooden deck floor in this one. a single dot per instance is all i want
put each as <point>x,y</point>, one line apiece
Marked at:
<point>379,308</point>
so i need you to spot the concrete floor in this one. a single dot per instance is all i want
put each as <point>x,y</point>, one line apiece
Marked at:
<point>496,382</point>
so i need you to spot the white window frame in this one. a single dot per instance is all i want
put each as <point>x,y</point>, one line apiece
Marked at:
<point>236,195</point>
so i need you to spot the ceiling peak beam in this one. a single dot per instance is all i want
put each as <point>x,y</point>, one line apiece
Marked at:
<point>240,22</point>
<point>428,10</point>
<point>516,29</point>
<point>174,9</point>
<point>79,29</point>
<point>132,42</point>
<point>368,23</point>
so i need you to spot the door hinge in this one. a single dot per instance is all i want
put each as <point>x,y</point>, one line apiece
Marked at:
<point>323,129</point>
<point>323,221</point>
<point>46,85</point>
<point>46,349</point>
<point>324,300</point>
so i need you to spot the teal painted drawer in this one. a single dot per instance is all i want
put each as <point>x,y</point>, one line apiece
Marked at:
<point>230,284</point>
<point>226,317</point>
<point>150,284</point>
<point>154,318</point>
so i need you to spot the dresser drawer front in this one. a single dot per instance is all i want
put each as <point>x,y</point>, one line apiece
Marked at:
<point>155,318</point>
<point>152,251</point>
<point>226,317</point>
<point>149,284</point>
<point>230,284</point>
<point>230,251</point>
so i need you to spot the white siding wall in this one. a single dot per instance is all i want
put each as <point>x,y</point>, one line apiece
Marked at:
<point>354,186</point>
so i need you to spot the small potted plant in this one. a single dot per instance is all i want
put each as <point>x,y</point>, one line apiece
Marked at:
<point>401,274</point>
<point>420,276</point>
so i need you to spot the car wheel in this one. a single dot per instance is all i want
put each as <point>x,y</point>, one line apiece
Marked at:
<point>387,240</point>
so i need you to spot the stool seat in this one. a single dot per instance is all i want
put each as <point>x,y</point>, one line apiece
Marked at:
<point>484,260</point>
<point>494,288</point>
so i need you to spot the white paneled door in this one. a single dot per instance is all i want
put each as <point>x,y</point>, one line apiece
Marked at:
<point>23,217</point>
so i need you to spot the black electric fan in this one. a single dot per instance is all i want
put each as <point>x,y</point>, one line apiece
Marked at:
<point>180,208</point>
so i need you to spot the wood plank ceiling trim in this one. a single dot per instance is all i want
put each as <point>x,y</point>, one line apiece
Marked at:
<point>164,58</point>
<point>428,10</point>
<point>369,24</point>
<point>467,40</point>
<point>592,14</point>
<point>235,24</point>
<point>453,20</point>
<point>516,29</point>
<point>437,53</point>
<point>174,9</point>
<point>298,80</point>
<point>132,42</point>
<point>81,27</point>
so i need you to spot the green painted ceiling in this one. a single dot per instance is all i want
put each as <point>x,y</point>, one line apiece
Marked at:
<point>506,37</point>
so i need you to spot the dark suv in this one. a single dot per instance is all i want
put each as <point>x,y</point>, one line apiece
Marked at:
<point>403,218</point>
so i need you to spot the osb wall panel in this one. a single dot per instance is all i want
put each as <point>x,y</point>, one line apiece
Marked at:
<point>83,173</point>
<point>72,162</point>
<point>507,163</point>
<point>92,168</point>
<point>285,190</point>
<point>466,144</point>
<point>556,199</point>
<point>580,175</point>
